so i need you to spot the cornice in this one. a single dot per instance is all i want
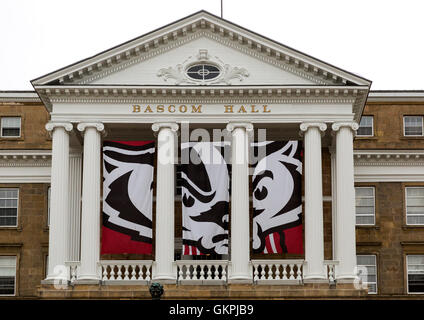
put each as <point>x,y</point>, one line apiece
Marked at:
<point>219,94</point>
<point>388,158</point>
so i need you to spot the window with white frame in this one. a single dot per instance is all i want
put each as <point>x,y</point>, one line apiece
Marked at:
<point>11,127</point>
<point>413,125</point>
<point>414,205</point>
<point>365,205</point>
<point>366,127</point>
<point>9,207</point>
<point>367,267</point>
<point>7,275</point>
<point>415,268</point>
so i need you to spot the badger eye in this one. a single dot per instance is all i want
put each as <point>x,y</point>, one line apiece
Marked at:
<point>261,194</point>
<point>188,201</point>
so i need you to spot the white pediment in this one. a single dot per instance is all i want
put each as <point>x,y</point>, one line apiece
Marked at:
<point>170,68</point>
<point>163,56</point>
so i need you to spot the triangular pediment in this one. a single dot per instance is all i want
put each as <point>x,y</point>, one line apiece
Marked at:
<point>163,57</point>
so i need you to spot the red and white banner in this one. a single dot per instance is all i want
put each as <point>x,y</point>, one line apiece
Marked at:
<point>277,198</point>
<point>127,197</point>
<point>205,198</point>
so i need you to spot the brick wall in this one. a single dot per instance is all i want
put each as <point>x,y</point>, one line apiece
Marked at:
<point>29,240</point>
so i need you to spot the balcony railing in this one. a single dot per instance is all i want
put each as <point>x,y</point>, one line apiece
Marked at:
<point>208,272</point>
<point>202,271</point>
<point>126,271</point>
<point>277,271</point>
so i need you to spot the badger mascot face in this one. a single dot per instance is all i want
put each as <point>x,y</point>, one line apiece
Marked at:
<point>127,194</point>
<point>277,202</point>
<point>205,198</point>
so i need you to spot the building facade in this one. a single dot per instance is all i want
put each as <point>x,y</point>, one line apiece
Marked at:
<point>362,186</point>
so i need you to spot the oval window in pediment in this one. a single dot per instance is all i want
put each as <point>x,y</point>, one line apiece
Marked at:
<point>203,71</point>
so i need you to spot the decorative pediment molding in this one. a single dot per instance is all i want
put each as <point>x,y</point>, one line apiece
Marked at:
<point>198,25</point>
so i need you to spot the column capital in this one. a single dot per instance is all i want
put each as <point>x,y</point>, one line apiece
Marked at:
<point>245,125</point>
<point>352,125</point>
<point>159,125</point>
<point>98,125</point>
<point>50,126</point>
<point>304,126</point>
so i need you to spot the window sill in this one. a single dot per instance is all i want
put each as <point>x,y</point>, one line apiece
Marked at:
<point>366,138</point>
<point>412,226</point>
<point>412,137</point>
<point>17,228</point>
<point>367,227</point>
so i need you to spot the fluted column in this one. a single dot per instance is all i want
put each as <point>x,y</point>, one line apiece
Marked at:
<point>75,166</point>
<point>59,203</point>
<point>314,225</point>
<point>90,213</point>
<point>164,267</point>
<point>240,251</point>
<point>345,244</point>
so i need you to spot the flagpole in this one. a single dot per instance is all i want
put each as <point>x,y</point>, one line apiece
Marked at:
<point>222,9</point>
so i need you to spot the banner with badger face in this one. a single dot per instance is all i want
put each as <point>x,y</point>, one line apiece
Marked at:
<point>205,198</point>
<point>277,197</point>
<point>127,197</point>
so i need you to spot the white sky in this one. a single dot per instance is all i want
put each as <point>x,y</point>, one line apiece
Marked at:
<point>381,40</point>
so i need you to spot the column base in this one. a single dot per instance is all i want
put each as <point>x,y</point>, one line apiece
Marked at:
<point>240,281</point>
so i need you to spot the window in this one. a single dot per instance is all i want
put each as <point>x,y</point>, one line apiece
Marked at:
<point>414,205</point>
<point>7,275</point>
<point>413,125</point>
<point>11,126</point>
<point>366,127</point>
<point>415,267</point>
<point>203,72</point>
<point>365,205</point>
<point>367,267</point>
<point>8,207</point>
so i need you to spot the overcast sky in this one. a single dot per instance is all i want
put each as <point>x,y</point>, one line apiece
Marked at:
<point>381,40</point>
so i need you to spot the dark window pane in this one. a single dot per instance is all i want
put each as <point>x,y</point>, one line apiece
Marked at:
<point>8,221</point>
<point>195,68</point>
<point>11,132</point>
<point>364,131</point>
<point>416,283</point>
<point>7,285</point>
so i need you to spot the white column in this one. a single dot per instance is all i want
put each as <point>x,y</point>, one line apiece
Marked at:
<point>332,151</point>
<point>314,226</point>
<point>75,164</point>
<point>164,267</point>
<point>345,245</point>
<point>90,213</point>
<point>59,204</point>
<point>240,270</point>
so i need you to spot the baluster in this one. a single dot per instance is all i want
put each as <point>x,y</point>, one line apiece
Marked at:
<point>202,272</point>
<point>284,271</point>
<point>73,273</point>
<point>330,273</point>
<point>126,273</point>
<point>299,272</point>
<point>119,277</point>
<point>112,272</point>
<point>133,273</point>
<point>209,274</point>
<point>292,272</point>
<point>191,271</point>
<point>147,272</point>
<point>277,271</point>
<point>255,272</point>
<point>224,272</point>
<point>216,273</point>
<point>263,272</point>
